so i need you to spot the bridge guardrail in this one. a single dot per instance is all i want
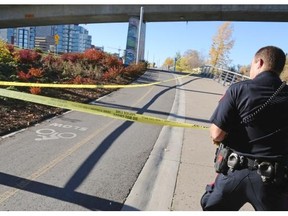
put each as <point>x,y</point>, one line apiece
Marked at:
<point>225,77</point>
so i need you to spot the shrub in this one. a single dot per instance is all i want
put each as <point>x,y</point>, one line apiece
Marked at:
<point>94,72</point>
<point>111,61</point>
<point>5,54</point>
<point>113,73</point>
<point>89,67</point>
<point>93,56</point>
<point>135,69</point>
<point>71,70</point>
<point>38,50</point>
<point>82,80</point>
<point>35,72</point>
<point>33,75</point>
<point>53,67</point>
<point>35,90</point>
<point>26,56</point>
<point>72,57</point>
<point>11,48</point>
<point>7,63</point>
<point>23,76</point>
<point>51,63</point>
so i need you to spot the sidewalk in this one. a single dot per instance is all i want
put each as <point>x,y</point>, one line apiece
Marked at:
<point>196,165</point>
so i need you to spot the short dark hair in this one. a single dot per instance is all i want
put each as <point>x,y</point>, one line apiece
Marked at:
<point>273,57</point>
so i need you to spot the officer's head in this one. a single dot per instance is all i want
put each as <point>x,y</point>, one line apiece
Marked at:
<point>269,58</point>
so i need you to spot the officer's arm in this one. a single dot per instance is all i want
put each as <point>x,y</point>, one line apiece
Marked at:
<point>217,134</point>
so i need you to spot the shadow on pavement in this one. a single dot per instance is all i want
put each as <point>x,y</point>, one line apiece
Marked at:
<point>88,201</point>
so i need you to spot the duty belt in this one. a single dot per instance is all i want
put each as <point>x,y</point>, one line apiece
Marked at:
<point>270,171</point>
<point>236,161</point>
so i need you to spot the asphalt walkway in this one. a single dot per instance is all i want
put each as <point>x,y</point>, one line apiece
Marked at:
<point>181,162</point>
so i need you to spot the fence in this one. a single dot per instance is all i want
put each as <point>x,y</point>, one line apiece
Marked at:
<point>223,76</point>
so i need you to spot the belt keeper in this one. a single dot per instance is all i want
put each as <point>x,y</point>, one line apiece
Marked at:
<point>252,164</point>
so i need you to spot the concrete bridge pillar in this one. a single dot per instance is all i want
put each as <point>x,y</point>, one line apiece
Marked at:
<point>132,40</point>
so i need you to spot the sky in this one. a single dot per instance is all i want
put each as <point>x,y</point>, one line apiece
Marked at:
<point>165,39</point>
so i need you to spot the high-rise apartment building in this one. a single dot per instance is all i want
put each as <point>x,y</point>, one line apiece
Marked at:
<point>85,40</point>
<point>23,37</point>
<point>44,39</point>
<point>72,38</point>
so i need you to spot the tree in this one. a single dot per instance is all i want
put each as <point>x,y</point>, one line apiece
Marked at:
<point>169,62</point>
<point>284,74</point>
<point>221,45</point>
<point>244,70</point>
<point>190,60</point>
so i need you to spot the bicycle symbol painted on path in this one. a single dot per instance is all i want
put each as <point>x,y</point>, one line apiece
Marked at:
<point>50,134</point>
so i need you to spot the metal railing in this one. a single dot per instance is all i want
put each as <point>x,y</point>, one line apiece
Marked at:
<point>225,77</point>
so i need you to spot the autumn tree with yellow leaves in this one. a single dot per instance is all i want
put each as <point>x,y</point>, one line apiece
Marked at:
<point>168,63</point>
<point>284,74</point>
<point>221,45</point>
<point>190,60</point>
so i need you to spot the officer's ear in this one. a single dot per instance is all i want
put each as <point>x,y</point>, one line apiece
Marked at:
<point>260,62</point>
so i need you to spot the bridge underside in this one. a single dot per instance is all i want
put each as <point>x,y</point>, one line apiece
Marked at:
<point>12,16</point>
<point>40,15</point>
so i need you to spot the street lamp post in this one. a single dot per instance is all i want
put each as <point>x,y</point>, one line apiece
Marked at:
<point>175,60</point>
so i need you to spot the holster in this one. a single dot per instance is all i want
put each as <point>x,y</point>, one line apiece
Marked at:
<point>280,176</point>
<point>221,157</point>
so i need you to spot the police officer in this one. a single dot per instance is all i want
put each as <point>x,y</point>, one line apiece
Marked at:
<point>251,120</point>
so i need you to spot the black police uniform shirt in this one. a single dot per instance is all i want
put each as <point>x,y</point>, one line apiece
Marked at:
<point>258,138</point>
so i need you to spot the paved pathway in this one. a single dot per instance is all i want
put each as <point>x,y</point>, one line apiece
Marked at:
<point>196,166</point>
<point>184,156</point>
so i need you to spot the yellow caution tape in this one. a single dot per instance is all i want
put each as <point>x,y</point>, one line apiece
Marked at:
<point>93,109</point>
<point>181,77</point>
<point>54,85</point>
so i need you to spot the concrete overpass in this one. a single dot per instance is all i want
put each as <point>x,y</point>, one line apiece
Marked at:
<point>40,15</point>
